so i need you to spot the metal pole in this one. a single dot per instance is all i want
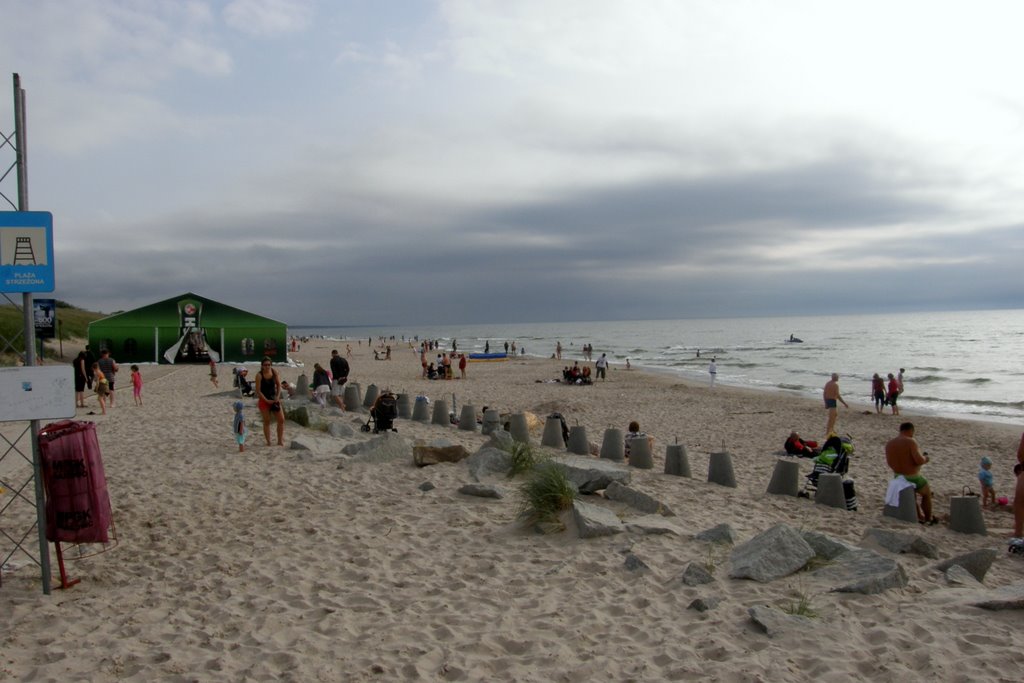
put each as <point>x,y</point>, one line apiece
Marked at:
<point>21,138</point>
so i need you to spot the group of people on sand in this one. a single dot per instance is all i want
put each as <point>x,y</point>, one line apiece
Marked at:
<point>887,394</point>
<point>443,369</point>
<point>100,375</point>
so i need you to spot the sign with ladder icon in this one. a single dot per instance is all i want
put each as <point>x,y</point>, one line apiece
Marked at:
<point>26,251</point>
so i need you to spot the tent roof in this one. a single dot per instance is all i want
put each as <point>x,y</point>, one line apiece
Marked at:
<point>166,313</point>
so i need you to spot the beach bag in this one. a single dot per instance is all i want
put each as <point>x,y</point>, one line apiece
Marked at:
<point>850,491</point>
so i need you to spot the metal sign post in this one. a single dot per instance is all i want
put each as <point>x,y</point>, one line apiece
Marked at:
<point>26,266</point>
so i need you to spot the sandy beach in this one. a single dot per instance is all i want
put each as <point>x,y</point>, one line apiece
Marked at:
<point>280,564</point>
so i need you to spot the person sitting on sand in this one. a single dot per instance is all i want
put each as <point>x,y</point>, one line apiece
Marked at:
<point>635,433</point>
<point>904,457</point>
<point>800,448</point>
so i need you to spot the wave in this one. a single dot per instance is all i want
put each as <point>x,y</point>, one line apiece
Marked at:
<point>976,380</point>
<point>928,379</point>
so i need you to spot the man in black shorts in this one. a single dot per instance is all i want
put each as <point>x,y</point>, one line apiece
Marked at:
<point>339,370</point>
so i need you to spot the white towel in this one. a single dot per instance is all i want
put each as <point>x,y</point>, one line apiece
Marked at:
<point>892,494</point>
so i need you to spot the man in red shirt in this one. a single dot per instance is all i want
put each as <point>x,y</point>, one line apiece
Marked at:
<point>904,457</point>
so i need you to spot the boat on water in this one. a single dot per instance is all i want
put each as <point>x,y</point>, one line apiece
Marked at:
<point>484,357</point>
<point>794,340</point>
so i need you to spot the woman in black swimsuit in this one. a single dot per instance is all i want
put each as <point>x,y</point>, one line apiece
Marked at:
<point>268,391</point>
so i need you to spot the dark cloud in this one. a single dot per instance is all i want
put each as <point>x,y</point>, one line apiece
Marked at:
<point>664,249</point>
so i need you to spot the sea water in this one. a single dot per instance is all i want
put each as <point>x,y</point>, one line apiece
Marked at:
<point>968,363</point>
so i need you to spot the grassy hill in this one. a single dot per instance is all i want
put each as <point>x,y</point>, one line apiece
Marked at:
<point>72,323</point>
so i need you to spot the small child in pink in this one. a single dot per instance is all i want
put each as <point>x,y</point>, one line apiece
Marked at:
<point>137,385</point>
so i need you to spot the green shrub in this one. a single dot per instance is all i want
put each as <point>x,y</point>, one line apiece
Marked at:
<point>545,494</point>
<point>523,458</point>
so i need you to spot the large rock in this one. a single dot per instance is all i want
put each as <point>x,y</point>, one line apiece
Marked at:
<point>438,451</point>
<point>482,491</point>
<point>696,575</point>
<point>826,547</point>
<point>590,474</point>
<point>340,431</point>
<point>775,622</point>
<point>593,521</point>
<point>384,448</point>
<point>720,533</point>
<point>317,445</point>
<point>977,562</point>
<point>862,571</point>
<point>499,438</point>
<point>775,553</point>
<point>1007,597</point>
<point>636,499</point>
<point>651,524</point>
<point>297,414</point>
<point>958,576</point>
<point>488,461</point>
<point>899,542</point>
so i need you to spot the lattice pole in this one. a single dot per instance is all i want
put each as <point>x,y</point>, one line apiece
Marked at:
<point>20,146</point>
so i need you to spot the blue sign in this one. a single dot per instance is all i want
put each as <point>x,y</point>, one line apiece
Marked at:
<point>26,251</point>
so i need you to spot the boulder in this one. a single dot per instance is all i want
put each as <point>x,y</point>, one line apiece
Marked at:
<point>488,461</point>
<point>482,491</point>
<point>651,524</point>
<point>340,431</point>
<point>427,486</point>
<point>635,564</point>
<point>862,571</point>
<point>636,499</point>
<point>696,575</point>
<point>826,547</point>
<point>704,604</point>
<point>501,439</point>
<point>770,555</point>
<point>977,562</point>
<point>593,521</point>
<point>297,414</point>
<point>958,576</point>
<point>899,542</point>
<point>589,474</point>
<point>383,448</point>
<point>438,451</point>
<point>1007,597</point>
<point>775,622</point>
<point>721,533</point>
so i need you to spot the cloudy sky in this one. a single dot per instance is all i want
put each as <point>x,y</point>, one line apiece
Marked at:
<point>464,161</point>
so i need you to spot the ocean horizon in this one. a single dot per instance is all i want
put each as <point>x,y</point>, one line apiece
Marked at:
<point>967,364</point>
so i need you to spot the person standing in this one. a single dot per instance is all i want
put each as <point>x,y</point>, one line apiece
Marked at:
<point>602,365</point>
<point>213,374</point>
<point>238,426</point>
<point>713,371</point>
<point>339,370</point>
<point>878,392</point>
<point>109,367</point>
<point>90,360</point>
<point>558,350</point>
<point>832,399</point>
<point>904,457</point>
<point>81,377</point>
<point>894,394</point>
<point>268,394</point>
<point>462,365</point>
<point>1018,495</point>
<point>136,378</point>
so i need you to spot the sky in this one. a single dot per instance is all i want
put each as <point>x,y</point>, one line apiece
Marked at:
<point>363,162</point>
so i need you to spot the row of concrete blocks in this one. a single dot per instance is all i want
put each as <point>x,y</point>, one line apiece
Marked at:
<point>964,511</point>
<point>964,515</point>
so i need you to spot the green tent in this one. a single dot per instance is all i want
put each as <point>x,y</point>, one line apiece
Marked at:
<point>189,329</point>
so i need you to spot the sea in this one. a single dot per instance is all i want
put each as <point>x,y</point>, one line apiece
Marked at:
<point>965,364</point>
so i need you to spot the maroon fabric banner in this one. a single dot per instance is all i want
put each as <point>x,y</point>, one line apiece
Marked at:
<point>77,503</point>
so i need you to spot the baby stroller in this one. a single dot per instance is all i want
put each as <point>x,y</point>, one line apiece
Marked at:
<point>244,385</point>
<point>383,414</point>
<point>833,459</point>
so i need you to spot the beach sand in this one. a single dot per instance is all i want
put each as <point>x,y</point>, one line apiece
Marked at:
<point>288,565</point>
